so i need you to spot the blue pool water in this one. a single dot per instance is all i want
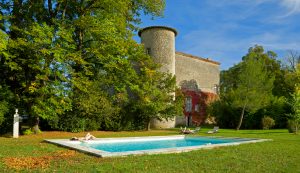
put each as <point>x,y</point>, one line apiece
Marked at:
<point>157,144</point>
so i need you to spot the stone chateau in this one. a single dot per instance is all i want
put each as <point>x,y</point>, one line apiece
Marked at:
<point>197,77</point>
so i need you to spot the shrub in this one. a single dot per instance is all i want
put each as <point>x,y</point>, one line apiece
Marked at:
<point>268,122</point>
<point>28,132</point>
<point>293,126</point>
<point>225,115</point>
<point>73,123</point>
<point>3,110</point>
<point>278,109</point>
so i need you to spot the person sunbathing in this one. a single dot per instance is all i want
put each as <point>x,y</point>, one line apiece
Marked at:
<point>87,137</point>
<point>189,131</point>
<point>185,130</point>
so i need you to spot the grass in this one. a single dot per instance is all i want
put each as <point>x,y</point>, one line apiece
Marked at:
<point>31,154</point>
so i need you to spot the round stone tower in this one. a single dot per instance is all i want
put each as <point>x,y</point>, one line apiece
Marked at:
<point>159,42</point>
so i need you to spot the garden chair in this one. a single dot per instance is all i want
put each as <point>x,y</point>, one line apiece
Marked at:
<point>197,129</point>
<point>215,130</point>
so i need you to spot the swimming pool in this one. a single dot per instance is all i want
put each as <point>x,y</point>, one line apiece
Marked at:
<point>107,147</point>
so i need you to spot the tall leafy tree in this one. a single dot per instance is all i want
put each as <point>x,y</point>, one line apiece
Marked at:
<point>35,74</point>
<point>59,50</point>
<point>248,85</point>
<point>254,87</point>
<point>295,116</point>
<point>154,98</point>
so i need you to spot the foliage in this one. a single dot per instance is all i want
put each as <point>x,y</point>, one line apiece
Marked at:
<point>28,132</point>
<point>267,122</point>
<point>76,65</point>
<point>225,114</point>
<point>293,126</point>
<point>5,108</point>
<point>91,110</point>
<point>253,86</point>
<point>292,60</point>
<point>294,119</point>
<point>277,107</point>
<point>32,74</point>
<point>154,97</point>
<point>278,110</point>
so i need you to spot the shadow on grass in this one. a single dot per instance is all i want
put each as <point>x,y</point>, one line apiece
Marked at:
<point>246,132</point>
<point>264,132</point>
<point>7,135</point>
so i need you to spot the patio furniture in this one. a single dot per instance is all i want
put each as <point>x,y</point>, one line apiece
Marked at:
<point>215,130</point>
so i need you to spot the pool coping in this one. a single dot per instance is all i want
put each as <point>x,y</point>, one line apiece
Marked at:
<point>99,153</point>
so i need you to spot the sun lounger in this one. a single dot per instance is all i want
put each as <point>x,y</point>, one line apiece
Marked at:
<point>215,130</point>
<point>197,129</point>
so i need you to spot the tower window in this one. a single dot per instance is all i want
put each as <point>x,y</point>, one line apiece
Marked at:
<point>148,51</point>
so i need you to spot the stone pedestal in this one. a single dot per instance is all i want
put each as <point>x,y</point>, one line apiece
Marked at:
<point>16,125</point>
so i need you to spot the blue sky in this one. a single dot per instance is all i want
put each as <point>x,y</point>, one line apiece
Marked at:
<point>223,30</point>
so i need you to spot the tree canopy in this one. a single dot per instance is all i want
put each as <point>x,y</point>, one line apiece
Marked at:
<point>255,88</point>
<point>295,103</point>
<point>254,83</point>
<point>75,63</point>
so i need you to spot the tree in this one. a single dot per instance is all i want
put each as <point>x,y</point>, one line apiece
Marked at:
<point>154,98</point>
<point>59,50</point>
<point>293,59</point>
<point>34,73</point>
<point>254,84</point>
<point>295,116</point>
<point>4,108</point>
<point>274,104</point>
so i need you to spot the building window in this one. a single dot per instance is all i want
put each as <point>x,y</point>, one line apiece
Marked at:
<point>216,88</point>
<point>148,51</point>
<point>197,108</point>
<point>188,104</point>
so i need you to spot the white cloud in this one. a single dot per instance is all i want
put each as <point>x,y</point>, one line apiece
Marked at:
<point>223,45</point>
<point>289,7</point>
<point>292,7</point>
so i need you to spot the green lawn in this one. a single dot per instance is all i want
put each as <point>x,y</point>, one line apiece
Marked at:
<point>30,153</point>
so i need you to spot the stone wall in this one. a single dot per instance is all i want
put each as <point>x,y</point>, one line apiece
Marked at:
<point>195,73</point>
<point>198,79</point>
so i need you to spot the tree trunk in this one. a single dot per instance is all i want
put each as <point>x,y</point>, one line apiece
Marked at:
<point>36,128</point>
<point>148,125</point>
<point>241,118</point>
